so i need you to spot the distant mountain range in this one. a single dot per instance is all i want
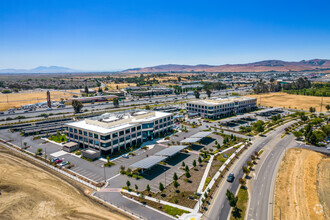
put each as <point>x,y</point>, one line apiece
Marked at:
<point>261,66</point>
<point>40,69</point>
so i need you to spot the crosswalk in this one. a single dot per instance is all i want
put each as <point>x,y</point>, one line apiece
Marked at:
<point>88,174</point>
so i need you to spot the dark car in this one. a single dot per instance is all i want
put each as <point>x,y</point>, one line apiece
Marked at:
<point>230,177</point>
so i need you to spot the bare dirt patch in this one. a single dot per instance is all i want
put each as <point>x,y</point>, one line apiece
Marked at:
<point>300,102</point>
<point>296,194</point>
<point>29,192</point>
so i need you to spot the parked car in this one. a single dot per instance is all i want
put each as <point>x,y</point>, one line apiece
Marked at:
<point>63,163</point>
<point>230,177</point>
<point>54,159</point>
<point>58,161</point>
<point>125,156</point>
<point>1,113</point>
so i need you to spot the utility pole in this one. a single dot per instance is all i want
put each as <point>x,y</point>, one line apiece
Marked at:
<point>321,104</point>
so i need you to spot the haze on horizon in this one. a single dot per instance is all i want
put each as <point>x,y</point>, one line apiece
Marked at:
<point>112,35</point>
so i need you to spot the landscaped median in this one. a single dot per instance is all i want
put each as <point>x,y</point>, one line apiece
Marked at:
<point>164,206</point>
<point>210,189</point>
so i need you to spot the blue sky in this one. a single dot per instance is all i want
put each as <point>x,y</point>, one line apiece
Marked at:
<point>120,34</point>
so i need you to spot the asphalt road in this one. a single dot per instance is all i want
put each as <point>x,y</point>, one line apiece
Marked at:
<point>219,208</point>
<point>123,103</point>
<point>262,184</point>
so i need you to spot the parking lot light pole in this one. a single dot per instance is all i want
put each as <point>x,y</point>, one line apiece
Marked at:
<point>165,176</point>
<point>105,179</point>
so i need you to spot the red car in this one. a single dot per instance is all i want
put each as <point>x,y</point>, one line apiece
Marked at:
<point>58,161</point>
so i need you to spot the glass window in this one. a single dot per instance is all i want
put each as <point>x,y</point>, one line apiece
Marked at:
<point>96,136</point>
<point>149,125</point>
<point>139,127</point>
<point>133,135</point>
<point>76,137</point>
<point>133,129</point>
<point>127,131</point>
<point>71,129</point>
<point>107,137</point>
<point>114,135</point>
<point>128,137</point>
<point>71,135</point>
<point>105,144</point>
<point>139,134</point>
<point>91,141</point>
<point>156,122</point>
<point>85,139</point>
<point>121,133</point>
<point>156,127</point>
<point>121,139</point>
<point>115,142</point>
<point>75,130</point>
<point>85,133</point>
<point>80,138</point>
<point>96,143</point>
<point>80,131</point>
<point>90,134</point>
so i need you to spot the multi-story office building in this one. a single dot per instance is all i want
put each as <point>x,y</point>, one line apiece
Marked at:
<point>112,132</point>
<point>221,107</point>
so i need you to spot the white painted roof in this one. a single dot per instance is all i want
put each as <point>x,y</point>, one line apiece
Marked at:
<point>83,125</point>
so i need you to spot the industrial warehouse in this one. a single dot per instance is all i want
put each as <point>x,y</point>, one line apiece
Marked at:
<point>221,107</point>
<point>112,132</point>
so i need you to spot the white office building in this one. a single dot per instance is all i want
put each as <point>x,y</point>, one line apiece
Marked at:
<point>221,107</point>
<point>112,132</point>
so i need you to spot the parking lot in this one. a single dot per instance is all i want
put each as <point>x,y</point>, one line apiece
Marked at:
<point>159,173</point>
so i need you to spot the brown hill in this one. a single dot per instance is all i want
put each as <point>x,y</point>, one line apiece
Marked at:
<point>261,66</point>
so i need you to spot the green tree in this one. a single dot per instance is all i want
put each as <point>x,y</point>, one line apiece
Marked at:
<point>148,188</point>
<point>77,106</point>
<point>183,164</point>
<point>242,181</point>
<point>194,163</point>
<point>115,102</point>
<point>175,177</point>
<point>86,90</point>
<point>232,199</point>
<point>245,170</point>
<point>136,187</point>
<point>161,187</point>
<point>128,183</point>
<point>197,94</point>
<point>188,174</point>
<point>200,160</point>
<point>208,92</point>
<point>186,168</point>
<point>175,184</point>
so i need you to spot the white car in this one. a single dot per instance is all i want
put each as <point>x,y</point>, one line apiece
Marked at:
<point>125,156</point>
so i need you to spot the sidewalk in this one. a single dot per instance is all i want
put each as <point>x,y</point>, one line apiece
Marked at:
<point>160,201</point>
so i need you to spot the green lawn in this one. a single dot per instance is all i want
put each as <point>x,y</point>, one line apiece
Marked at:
<point>174,211</point>
<point>58,138</point>
<point>243,198</point>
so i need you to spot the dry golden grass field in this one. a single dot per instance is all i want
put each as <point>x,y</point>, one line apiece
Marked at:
<point>29,192</point>
<point>19,99</point>
<point>302,186</point>
<point>299,102</point>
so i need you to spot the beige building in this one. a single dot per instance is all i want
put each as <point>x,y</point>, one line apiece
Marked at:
<point>221,107</point>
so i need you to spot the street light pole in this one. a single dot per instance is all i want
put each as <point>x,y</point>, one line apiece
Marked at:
<point>105,179</point>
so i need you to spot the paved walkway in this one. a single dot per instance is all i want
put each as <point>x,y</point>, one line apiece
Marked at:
<point>161,201</point>
<point>206,172</point>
